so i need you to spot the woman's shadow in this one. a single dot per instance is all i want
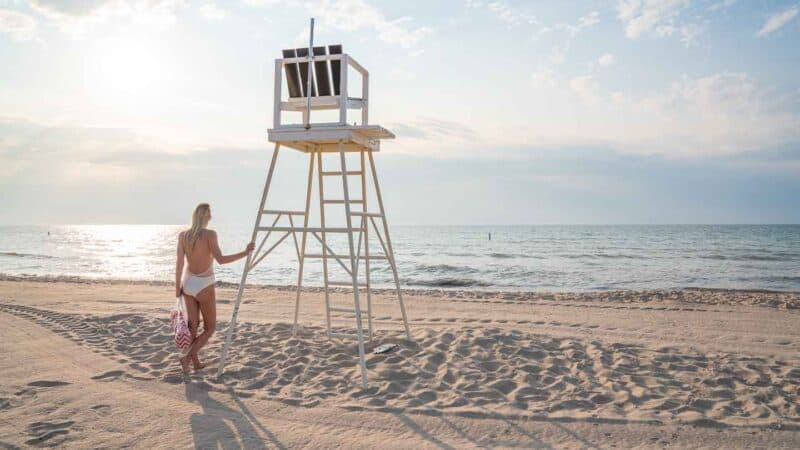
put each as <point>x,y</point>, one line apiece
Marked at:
<point>211,429</point>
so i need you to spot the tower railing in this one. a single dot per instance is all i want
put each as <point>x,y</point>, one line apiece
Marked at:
<point>329,86</point>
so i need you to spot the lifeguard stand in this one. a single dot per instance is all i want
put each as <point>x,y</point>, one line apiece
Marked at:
<point>326,88</point>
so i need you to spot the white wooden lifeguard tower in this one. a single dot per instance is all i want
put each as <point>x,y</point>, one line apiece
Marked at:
<point>326,88</point>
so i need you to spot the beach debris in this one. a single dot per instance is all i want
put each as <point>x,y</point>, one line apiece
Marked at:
<point>385,348</point>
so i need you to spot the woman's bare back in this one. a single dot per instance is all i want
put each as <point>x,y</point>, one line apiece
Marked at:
<point>200,255</point>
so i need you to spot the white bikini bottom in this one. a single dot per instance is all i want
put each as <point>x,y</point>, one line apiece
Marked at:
<point>194,283</point>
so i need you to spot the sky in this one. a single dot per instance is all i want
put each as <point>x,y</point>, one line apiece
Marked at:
<point>506,112</point>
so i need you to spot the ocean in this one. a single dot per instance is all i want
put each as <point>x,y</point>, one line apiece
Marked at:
<point>526,258</point>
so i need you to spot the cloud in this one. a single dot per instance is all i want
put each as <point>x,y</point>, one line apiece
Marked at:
<point>543,79</point>
<point>690,32</point>
<point>720,5</point>
<point>650,16</point>
<point>591,19</point>
<point>75,16</point>
<point>449,137</point>
<point>74,155</point>
<point>777,21</point>
<point>358,15</point>
<point>584,87</point>
<point>21,27</point>
<point>211,11</point>
<point>606,59</point>
<point>723,113</point>
<point>504,12</point>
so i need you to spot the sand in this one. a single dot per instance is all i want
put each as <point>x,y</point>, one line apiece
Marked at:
<point>91,364</point>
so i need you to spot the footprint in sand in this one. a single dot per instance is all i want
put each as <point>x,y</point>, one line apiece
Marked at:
<point>47,383</point>
<point>112,375</point>
<point>49,434</point>
<point>35,386</point>
<point>101,409</point>
<point>115,375</point>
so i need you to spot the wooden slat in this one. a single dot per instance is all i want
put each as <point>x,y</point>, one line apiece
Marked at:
<point>336,67</point>
<point>292,77</point>
<point>303,52</point>
<point>321,70</point>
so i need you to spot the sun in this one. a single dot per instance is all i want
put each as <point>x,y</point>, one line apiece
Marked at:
<point>125,67</point>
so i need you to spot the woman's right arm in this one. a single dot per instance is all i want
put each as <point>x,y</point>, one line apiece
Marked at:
<point>225,259</point>
<point>179,266</point>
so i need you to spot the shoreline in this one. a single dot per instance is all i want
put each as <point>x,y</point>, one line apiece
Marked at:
<point>720,296</point>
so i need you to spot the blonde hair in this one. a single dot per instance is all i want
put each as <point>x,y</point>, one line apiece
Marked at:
<point>199,220</point>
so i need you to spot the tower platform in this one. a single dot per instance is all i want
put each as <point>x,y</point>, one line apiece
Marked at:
<point>326,138</point>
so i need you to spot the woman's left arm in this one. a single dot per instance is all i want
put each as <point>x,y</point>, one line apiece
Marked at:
<point>225,259</point>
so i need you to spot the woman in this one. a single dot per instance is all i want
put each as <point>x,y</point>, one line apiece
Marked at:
<point>198,246</point>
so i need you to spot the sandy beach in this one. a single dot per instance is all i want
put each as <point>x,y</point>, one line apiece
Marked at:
<point>91,364</point>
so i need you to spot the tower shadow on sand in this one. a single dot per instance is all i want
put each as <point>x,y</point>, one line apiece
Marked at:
<point>212,428</point>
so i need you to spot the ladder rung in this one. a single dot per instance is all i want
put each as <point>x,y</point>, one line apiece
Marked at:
<point>327,256</point>
<point>343,257</point>
<point>341,202</point>
<point>365,214</point>
<point>349,172</point>
<point>280,211</point>
<point>310,229</point>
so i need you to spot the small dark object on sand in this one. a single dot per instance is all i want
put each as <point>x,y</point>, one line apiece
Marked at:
<point>385,348</point>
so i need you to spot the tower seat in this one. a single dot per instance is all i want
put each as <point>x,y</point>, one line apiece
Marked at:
<point>326,89</point>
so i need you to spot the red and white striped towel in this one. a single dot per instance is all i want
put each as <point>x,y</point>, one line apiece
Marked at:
<point>180,325</point>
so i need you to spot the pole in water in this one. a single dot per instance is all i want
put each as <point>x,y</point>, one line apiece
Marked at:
<point>490,236</point>
<point>310,80</point>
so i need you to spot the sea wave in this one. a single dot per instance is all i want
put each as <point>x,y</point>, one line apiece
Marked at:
<point>27,255</point>
<point>446,282</point>
<point>600,256</point>
<point>440,268</point>
<point>776,257</point>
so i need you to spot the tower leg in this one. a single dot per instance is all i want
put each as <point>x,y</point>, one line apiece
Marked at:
<point>353,266</point>
<point>303,243</point>
<point>389,250</point>
<point>365,223</point>
<point>324,244</point>
<point>235,313</point>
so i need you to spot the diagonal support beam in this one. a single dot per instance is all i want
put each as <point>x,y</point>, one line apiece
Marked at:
<point>331,253</point>
<point>255,263</point>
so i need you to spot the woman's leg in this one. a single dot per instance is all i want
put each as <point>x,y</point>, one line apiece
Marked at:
<point>192,313</point>
<point>208,308</point>
<point>193,319</point>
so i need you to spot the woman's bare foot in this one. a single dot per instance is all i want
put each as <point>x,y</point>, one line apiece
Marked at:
<point>185,364</point>
<point>196,363</point>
